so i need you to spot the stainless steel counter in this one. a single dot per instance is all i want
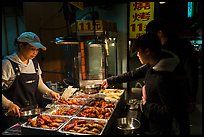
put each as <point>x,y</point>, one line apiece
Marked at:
<point>122,110</point>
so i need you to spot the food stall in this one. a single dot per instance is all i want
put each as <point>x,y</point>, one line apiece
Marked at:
<point>90,110</point>
<point>80,114</point>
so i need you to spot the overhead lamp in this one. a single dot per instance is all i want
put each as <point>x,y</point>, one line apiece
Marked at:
<point>95,42</point>
<point>162,2</point>
<point>66,40</point>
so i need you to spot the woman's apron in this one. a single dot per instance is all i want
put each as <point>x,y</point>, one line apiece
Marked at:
<point>22,92</point>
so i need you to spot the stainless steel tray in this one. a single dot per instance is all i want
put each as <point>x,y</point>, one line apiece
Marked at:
<point>60,110</point>
<point>28,129</point>
<point>102,103</point>
<point>72,101</point>
<point>95,112</point>
<point>84,129</point>
<point>112,94</point>
<point>82,95</point>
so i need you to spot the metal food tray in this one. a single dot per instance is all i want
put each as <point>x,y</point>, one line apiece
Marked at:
<point>85,107</point>
<point>85,100</point>
<point>57,107</point>
<point>86,96</point>
<point>81,118</point>
<point>29,130</point>
<point>121,90</point>
<point>111,92</point>
<point>115,102</point>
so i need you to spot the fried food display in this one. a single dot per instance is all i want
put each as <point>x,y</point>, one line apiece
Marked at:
<point>112,94</point>
<point>88,113</point>
<point>96,112</point>
<point>110,91</point>
<point>46,122</point>
<point>100,102</point>
<point>68,111</point>
<point>82,96</point>
<point>85,126</point>
<point>70,101</point>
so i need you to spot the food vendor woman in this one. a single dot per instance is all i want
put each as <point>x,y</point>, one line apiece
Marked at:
<point>21,78</point>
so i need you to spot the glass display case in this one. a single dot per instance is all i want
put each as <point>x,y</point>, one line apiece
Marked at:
<point>97,56</point>
<point>97,61</point>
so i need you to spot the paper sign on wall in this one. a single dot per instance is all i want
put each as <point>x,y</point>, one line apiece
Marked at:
<point>141,13</point>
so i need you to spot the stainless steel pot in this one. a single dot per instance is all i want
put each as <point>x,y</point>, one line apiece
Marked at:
<point>91,89</point>
<point>128,125</point>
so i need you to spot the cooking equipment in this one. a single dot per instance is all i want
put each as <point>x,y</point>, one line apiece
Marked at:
<point>27,111</point>
<point>31,112</point>
<point>133,103</point>
<point>91,89</point>
<point>128,125</point>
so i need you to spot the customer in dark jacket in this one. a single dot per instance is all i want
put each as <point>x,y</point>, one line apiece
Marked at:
<point>163,100</point>
<point>187,70</point>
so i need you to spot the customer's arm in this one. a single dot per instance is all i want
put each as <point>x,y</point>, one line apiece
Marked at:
<point>129,76</point>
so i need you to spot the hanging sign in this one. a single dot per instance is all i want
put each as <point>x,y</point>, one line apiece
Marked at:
<point>141,13</point>
<point>87,25</point>
<point>100,25</point>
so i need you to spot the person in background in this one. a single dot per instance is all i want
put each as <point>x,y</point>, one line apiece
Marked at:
<point>21,78</point>
<point>187,70</point>
<point>163,101</point>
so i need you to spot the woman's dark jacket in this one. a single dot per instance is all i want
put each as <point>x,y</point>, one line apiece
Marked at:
<point>165,98</point>
<point>187,70</point>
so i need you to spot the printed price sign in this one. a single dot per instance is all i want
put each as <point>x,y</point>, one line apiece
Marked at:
<point>87,25</point>
<point>141,13</point>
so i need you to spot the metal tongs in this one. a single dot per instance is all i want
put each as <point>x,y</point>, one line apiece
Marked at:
<point>27,108</point>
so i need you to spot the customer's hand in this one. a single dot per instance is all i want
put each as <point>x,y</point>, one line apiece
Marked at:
<point>13,110</point>
<point>104,84</point>
<point>55,95</point>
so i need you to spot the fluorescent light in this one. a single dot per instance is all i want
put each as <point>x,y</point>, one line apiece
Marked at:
<point>162,2</point>
<point>66,40</point>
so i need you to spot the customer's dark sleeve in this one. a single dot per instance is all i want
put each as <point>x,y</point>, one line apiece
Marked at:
<point>165,103</point>
<point>129,76</point>
<point>190,62</point>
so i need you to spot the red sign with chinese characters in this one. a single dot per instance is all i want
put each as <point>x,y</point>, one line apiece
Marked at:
<point>141,13</point>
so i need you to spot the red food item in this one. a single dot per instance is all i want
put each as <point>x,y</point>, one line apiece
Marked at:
<point>81,122</point>
<point>69,126</point>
